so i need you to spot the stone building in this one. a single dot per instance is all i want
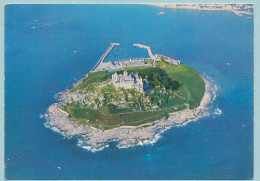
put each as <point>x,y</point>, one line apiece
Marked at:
<point>173,61</point>
<point>168,59</point>
<point>128,81</point>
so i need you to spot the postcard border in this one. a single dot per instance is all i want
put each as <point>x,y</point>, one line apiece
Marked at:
<point>256,60</point>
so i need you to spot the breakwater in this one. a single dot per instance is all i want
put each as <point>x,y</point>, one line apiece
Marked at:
<point>102,58</point>
<point>148,49</point>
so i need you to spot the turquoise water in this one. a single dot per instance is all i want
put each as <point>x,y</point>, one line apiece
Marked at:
<point>49,47</point>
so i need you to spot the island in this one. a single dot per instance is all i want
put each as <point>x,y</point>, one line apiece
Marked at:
<point>130,102</point>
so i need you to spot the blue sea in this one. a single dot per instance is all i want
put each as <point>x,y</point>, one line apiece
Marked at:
<point>50,47</point>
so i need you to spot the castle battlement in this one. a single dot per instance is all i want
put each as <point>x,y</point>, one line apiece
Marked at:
<point>128,81</point>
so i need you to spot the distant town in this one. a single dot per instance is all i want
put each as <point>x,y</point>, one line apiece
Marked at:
<point>238,9</point>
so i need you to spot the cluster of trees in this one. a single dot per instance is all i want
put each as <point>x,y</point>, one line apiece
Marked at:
<point>158,77</point>
<point>159,99</point>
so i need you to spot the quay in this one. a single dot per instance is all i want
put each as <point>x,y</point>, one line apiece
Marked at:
<point>102,58</point>
<point>135,62</point>
<point>148,49</point>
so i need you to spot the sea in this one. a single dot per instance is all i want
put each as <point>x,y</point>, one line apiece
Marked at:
<point>50,47</point>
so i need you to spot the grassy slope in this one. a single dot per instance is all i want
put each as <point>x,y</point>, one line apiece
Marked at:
<point>189,79</point>
<point>187,76</point>
<point>93,77</point>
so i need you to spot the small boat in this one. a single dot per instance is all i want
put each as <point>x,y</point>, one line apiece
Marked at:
<point>161,13</point>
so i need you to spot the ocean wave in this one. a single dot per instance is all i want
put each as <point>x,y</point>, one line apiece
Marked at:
<point>41,116</point>
<point>55,129</point>
<point>89,148</point>
<point>217,111</point>
<point>216,89</point>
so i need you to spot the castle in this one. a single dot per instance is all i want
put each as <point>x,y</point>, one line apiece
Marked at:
<point>128,81</point>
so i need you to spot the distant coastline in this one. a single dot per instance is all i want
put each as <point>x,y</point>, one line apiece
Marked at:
<point>238,9</point>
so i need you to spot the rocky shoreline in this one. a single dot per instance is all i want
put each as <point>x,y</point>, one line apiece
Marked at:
<point>95,139</point>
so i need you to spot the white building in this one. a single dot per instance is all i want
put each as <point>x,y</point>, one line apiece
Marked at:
<point>128,81</point>
<point>168,59</point>
<point>173,61</point>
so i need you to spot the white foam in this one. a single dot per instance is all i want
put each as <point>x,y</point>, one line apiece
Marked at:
<point>217,111</point>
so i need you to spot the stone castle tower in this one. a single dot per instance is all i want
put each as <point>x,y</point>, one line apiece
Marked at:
<point>128,81</point>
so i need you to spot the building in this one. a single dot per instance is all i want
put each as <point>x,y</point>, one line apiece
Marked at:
<point>168,59</point>
<point>158,56</point>
<point>128,81</point>
<point>173,61</point>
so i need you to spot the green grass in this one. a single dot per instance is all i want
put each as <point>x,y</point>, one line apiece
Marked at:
<point>98,119</point>
<point>92,78</point>
<point>189,89</point>
<point>186,76</point>
<point>191,80</point>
